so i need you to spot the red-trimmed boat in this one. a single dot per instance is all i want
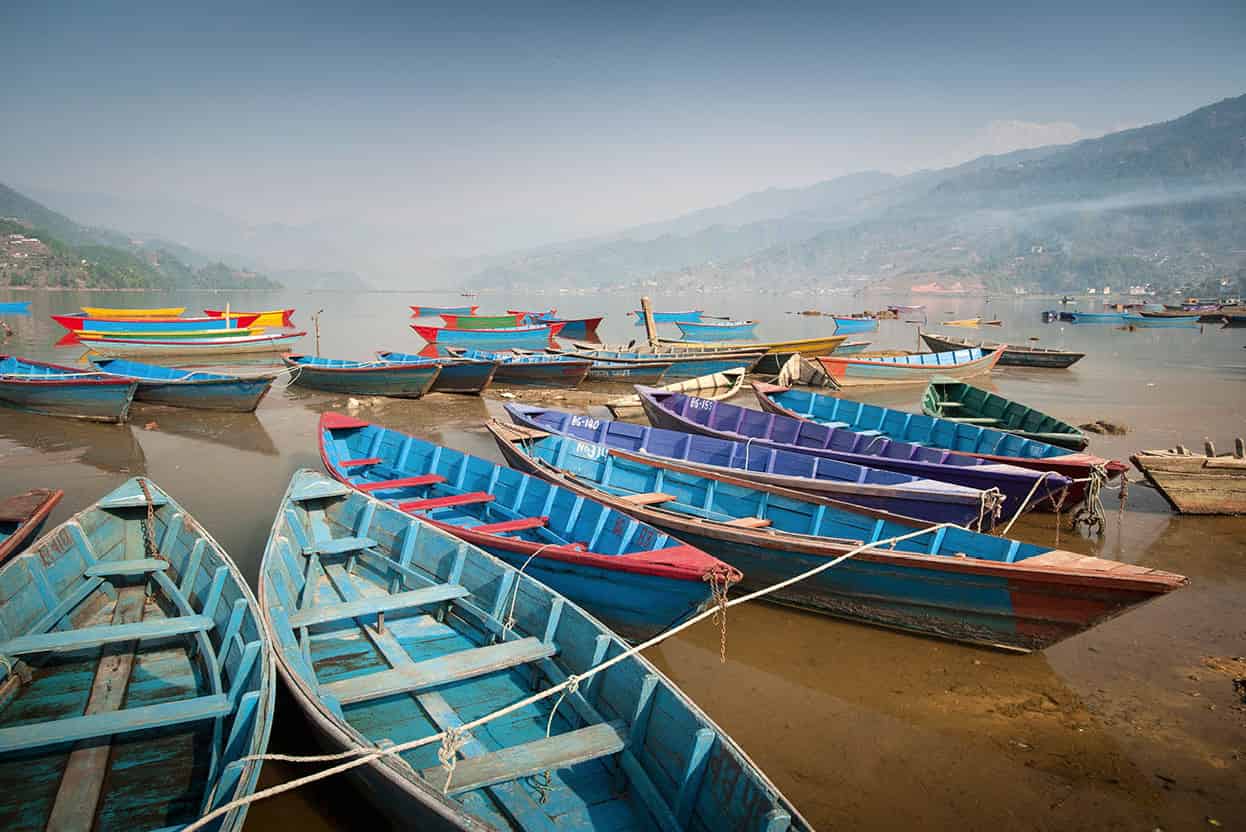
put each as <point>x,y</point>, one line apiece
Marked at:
<point>21,517</point>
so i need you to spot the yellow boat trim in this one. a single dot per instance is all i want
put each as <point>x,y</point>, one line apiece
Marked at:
<point>107,312</point>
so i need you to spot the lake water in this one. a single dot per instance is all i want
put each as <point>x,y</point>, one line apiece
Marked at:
<point>1132,725</point>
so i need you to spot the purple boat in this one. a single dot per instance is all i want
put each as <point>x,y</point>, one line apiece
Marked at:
<point>904,494</point>
<point>676,411</point>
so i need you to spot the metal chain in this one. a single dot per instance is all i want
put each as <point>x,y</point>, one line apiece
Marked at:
<point>149,524</point>
<point>719,580</point>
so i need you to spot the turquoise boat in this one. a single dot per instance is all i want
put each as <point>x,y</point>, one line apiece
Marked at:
<point>363,378</point>
<point>683,365</point>
<point>21,307</point>
<point>668,317</point>
<point>471,376</point>
<point>531,337</point>
<point>189,388</point>
<point>21,517</point>
<point>138,681</point>
<point>717,330</point>
<point>1096,317</point>
<point>1134,319</point>
<point>56,390</point>
<point>389,630</point>
<point>535,370</point>
<point>847,326</point>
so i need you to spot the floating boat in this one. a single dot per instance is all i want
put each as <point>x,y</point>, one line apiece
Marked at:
<point>268,317</point>
<point>957,401</point>
<point>635,578</point>
<point>85,336</point>
<point>715,330</point>
<point>362,378</point>
<point>904,494</point>
<point>112,312</point>
<point>982,442</point>
<point>543,316</point>
<point>898,308</point>
<point>848,325</point>
<point>916,368</point>
<point>1022,488</point>
<point>715,387</point>
<point>84,323</point>
<point>482,321</point>
<point>540,370</point>
<point>571,327</point>
<point>1168,313</point>
<point>461,635</point>
<point>534,337</point>
<point>1014,355</point>
<point>470,376</point>
<point>683,365</point>
<point>668,317</point>
<point>1093,317</point>
<point>949,583</point>
<point>1145,319</point>
<point>21,307</point>
<point>263,343</point>
<point>971,323</point>
<point>56,390</point>
<point>851,347</point>
<point>630,372</point>
<point>434,311</point>
<point>1204,483</point>
<point>161,726</point>
<point>189,388</point>
<point>21,517</point>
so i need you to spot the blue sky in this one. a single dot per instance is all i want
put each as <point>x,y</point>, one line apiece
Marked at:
<point>545,121</point>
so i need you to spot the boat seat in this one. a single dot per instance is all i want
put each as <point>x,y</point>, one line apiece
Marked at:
<point>360,463</point>
<point>452,667</point>
<point>951,404</point>
<point>445,502</point>
<point>338,545</point>
<point>749,522</point>
<point>648,499</point>
<point>321,613</point>
<point>870,432</point>
<point>106,634</point>
<point>142,566</point>
<point>385,485</point>
<point>511,525</point>
<point>974,420</point>
<point>74,729</point>
<point>562,751</point>
<point>835,425</point>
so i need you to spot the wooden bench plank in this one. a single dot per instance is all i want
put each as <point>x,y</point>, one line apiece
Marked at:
<point>404,482</point>
<point>561,751</point>
<point>649,499</point>
<point>445,502</point>
<point>104,634</point>
<point>749,522</point>
<point>360,463</point>
<point>77,728</point>
<point>453,667</point>
<point>139,566</point>
<point>322,613</point>
<point>511,525</point>
<point>338,545</point>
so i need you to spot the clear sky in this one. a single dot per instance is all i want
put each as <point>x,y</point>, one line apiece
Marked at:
<point>474,127</point>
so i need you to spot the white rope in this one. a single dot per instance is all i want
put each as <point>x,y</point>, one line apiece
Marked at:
<point>510,613</point>
<point>365,756</point>
<point>1026,501</point>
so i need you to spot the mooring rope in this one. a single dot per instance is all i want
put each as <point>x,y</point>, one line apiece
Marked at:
<point>1028,497</point>
<point>510,614</point>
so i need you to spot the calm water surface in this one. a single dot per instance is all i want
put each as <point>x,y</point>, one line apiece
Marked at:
<point>1134,725</point>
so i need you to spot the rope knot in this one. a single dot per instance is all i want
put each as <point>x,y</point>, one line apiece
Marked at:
<point>573,683</point>
<point>448,753</point>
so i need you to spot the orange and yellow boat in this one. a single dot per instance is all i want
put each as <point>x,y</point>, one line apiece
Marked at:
<point>108,312</point>
<point>269,317</point>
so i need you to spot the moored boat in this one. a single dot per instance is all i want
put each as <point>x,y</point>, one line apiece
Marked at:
<point>717,330</point>
<point>463,636</point>
<point>434,311</point>
<point>20,307</point>
<point>21,517</point>
<point>636,579</point>
<point>916,368</point>
<point>470,376</point>
<point>851,347</point>
<point>571,327</point>
<point>170,335</point>
<point>362,378</point>
<point>189,388</point>
<point>166,722</point>
<point>948,583</point>
<point>111,345</point>
<point>969,323</point>
<point>957,401</point>
<point>112,312</point>
<point>1093,317</point>
<point>669,317</point>
<point>1150,319</point>
<point>482,321</point>
<point>850,325</point>
<point>1014,355</point>
<point>268,317</point>
<point>777,353</point>
<point>57,390</point>
<point>715,387</point>
<point>1207,483</point>
<point>86,323</point>
<point>534,337</point>
<point>1169,313</point>
<point>683,365</point>
<point>539,370</point>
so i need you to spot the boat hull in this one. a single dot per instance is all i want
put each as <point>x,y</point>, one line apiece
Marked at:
<point>95,400</point>
<point>863,372</point>
<point>716,387</point>
<point>1094,317</point>
<point>458,375</point>
<point>401,381</point>
<point>21,307</point>
<point>111,312</point>
<point>1195,484</point>
<point>1014,356</point>
<point>961,402</point>
<point>434,311</point>
<point>524,337</point>
<point>269,317</point>
<point>251,344</point>
<point>639,372</point>
<point>693,315</point>
<point>705,331</point>
<point>542,373</point>
<point>21,517</point>
<point>79,323</point>
<point>571,327</point>
<point>848,326</point>
<point>481,321</point>
<point>238,396</point>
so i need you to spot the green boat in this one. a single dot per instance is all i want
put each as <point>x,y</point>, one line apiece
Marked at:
<point>960,402</point>
<point>482,321</point>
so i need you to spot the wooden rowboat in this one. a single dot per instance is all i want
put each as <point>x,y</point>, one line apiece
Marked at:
<point>458,374</point>
<point>56,390</point>
<point>362,378</point>
<point>157,728</point>
<point>189,388</point>
<point>849,326</point>
<point>915,368</point>
<point>85,323</point>
<point>155,334</point>
<point>21,517</point>
<point>1014,355</point>
<point>571,327</point>
<point>1094,317</point>
<point>536,370</point>
<point>716,387</point>
<point>1146,319</point>
<point>777,353</point>
<point>1204,483</point>
<point>970,323</point>
<point>680,365</point>
<point>111,312</point>
<point>20,307</point>
<point>268,317</point>
<point>434,311</point>
<point>715,330</point>
<point>263,343</point>
<point>482,321</point>
<point>957,401</point>
<point>535,337</point>
<point>668,317</point>
<point>403,632</point>
<point>948,583</point>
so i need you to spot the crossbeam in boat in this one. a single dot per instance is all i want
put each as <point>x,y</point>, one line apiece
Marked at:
<point>322,613</point>
<point>77,728</point>
<point>106,634</point>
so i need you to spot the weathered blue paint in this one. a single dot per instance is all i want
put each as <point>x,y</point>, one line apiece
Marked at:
<point>847,326</point>
<point>54,390</point>
<point>21,307</point>
<point>668,317</point>
<point>571,327</point>
<point>458,375</point>
<point>195,704</point>
<point>851,347</point>
<point>155,326</point>
<point>617,748</point>
<point>1134,319</point>
<point>22,516</point>
<point>363,378</point>
<point>539,370</point>
<point>682,364</point>
<point>717,330</point>
<point>1093,317</point>
<point>534,337</point>
<point>187,388</point>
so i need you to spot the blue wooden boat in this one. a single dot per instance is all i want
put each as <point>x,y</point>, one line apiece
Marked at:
<point>155,729</point>
<point>1155,320</point>
<point>668,317</point>
<point>55,390</point>
<point>1093,317</point>
<point>21,307</point>
<point>717,330</point>
<point>539,370</point>
<point>362,378</point>
<point>399,632</point>
<point>636,579</point>
<point>938,502</point>
<point>631,372</point>
<point>21,517</point>
<point>682,364</point>
<point>436,311</point>
<point>458,374</point>
<point>676,411</point>
<point>851,347</point>
<point>948,583</point>
<point>188,388</point>
<point>531,337</point>
<point>82,322</point>
<point>571,327</point>
<point>847,326</point>
<point>910,368</point>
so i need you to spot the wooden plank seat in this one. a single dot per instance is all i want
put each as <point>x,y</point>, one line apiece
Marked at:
<point>749,522</point>
<point>404,482</point>
<point>870,432</point>
<point>835,425</point>
<point>469,498</point>
<point>951,404</point>
<point>338,545</point>
<point>974,420</point>
<point>322,613</point>
<point>106,634</point>
<point>512,525</point>
<point>360,463</point>
<point>562,751</point>
<point>141,566</point>
<point>649,499</point>
<point>453,667</point>
<point>74,729</point>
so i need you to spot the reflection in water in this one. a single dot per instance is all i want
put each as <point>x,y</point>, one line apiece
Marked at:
<point>112,449</point>
<point>241,431</point>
